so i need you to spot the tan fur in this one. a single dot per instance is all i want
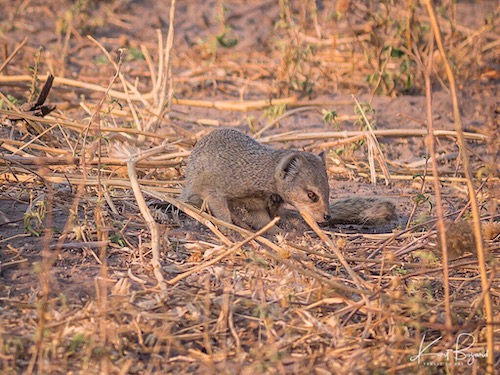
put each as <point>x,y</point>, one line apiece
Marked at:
<point>232,172</point>
<point>362,210</point>
<point>460,237</point>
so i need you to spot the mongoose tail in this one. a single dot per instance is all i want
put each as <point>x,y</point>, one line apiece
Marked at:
<point>362,210</point>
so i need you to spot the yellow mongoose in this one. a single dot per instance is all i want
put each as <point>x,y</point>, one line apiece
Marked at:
<point>245,182</point>
<point>228,169</point>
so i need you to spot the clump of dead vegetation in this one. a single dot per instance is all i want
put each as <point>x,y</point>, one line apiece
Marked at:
<point>97,279</point>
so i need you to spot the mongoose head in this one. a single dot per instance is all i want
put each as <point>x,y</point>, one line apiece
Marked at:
<point>301,181</point>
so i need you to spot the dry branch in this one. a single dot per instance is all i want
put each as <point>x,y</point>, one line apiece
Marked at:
<point>374,148</point>
<point>431,145</point>
<point>68,160</point>
<point>300,136</point>
<point>150,221</point>
<point>78,127</point>
<point>13,54</point>
<point>230,105</point>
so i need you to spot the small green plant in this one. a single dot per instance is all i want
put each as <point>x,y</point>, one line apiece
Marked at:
<point>401,271</point>
<point>77,342</point>
<point>367,110</point>
<point>63,300</point>
<point>252,123</point>
<point>15,346</point>
<point>34,216</point>
<point>33,88</point>
<point>226,40</point>
<point>12,99</point>
<point>117,238</point>
<point>208,48</point>
<point>299,67</point>
<point>100,351</point>
<point>134,54</point>
<point>275,111</point>
<point>421,199</point>
<point>101,60</point>
<point>261,311</point>
<point>426,257</point>
<point>330,117</point>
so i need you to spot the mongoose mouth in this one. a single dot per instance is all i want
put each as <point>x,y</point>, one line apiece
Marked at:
<point>311,219</point>
<point>318,217</point>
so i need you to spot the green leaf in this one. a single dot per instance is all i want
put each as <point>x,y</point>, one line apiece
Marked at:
<point>226,41</point>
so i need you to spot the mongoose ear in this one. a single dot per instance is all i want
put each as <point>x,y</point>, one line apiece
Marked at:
<point>322,155</point>
<point>289,165</point>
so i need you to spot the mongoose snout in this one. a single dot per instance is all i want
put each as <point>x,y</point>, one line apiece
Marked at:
<point>229,170</point>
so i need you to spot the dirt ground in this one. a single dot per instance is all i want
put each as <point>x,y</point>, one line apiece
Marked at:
<point>71,304</point>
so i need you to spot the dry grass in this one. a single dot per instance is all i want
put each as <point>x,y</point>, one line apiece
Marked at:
<point>96,279</point>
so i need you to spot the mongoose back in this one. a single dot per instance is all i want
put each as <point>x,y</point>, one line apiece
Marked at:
<point>227,169</point>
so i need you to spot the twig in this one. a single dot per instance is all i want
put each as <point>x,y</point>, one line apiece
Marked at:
<point>374,148</point>
<point>27,144</point>
<point>79,245</point>
<point>283,116</point>
<point>13,54</point>
<point>76,126</point>
<point>437,156</point>
<point>341,142</point>
<point>230,105</point>
<point>122,79</point>
<point>381,73</point>
<point>430,141</point>
<point>68,160</point>
<point>150,221</point>
<point>45,282</point>
<point>7,141</point>
<point>149,61</point>
<point>302,136</point>
<point>165,76</point>
<point>403,177</point>
<point>146,213</point>
<point>12,263</point>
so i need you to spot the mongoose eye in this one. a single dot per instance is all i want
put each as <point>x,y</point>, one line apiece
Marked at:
<point>312,196</point>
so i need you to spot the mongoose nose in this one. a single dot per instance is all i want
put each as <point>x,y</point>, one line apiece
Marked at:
<point>327,217</point>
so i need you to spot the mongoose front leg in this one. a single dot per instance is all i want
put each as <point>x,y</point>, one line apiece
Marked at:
<point>219,207</point>
<point>260,218</point>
